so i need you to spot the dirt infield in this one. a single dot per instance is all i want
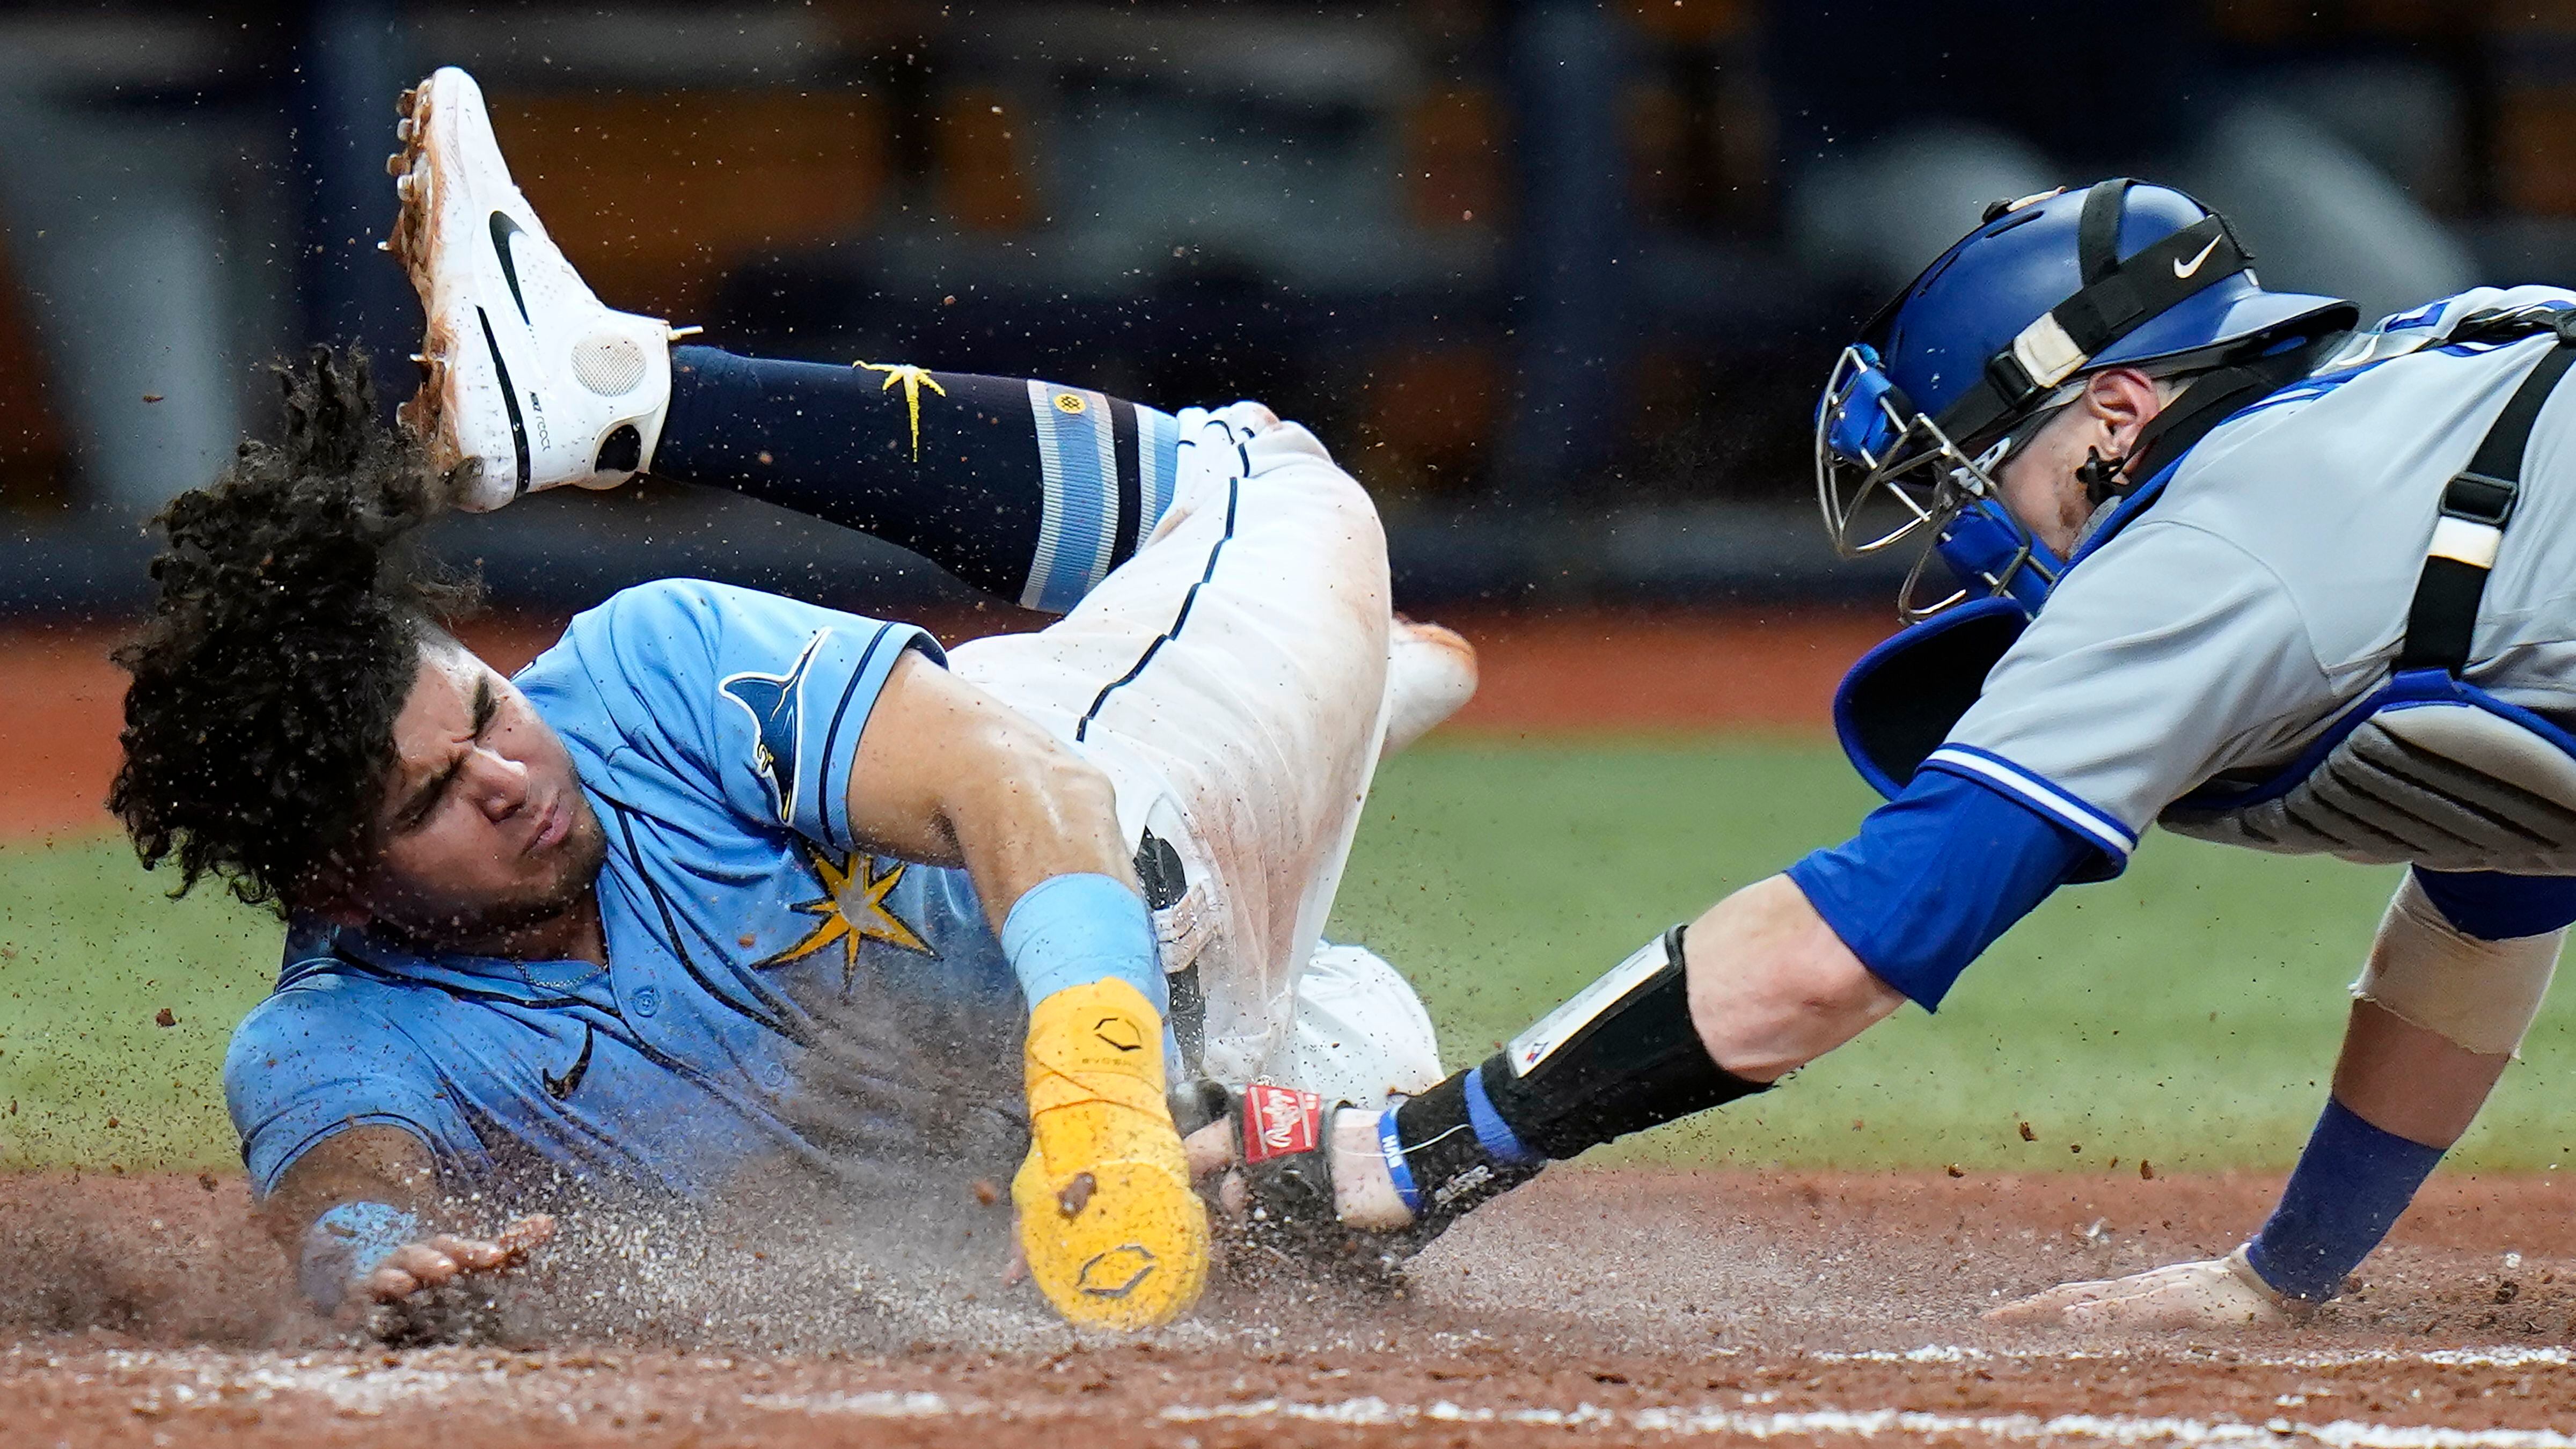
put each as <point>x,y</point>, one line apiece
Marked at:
<point>1559,675</point>
<point>1593,1308</point>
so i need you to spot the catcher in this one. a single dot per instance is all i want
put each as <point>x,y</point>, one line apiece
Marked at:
<point>2227,564</point>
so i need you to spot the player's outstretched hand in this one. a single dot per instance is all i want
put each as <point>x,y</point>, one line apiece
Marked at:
<point>443,1258</point>
<point>2212,1294</point>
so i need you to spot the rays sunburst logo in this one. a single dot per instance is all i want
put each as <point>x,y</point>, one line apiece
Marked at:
<point>852,911</point>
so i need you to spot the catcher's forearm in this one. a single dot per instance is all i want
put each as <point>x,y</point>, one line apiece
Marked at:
<point>2438,1014</point>
<point>1697,1018</point>
<point>2405,1079</point>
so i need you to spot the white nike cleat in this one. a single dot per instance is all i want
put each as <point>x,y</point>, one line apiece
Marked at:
<point>531,381</point>
<point>1430,675</point>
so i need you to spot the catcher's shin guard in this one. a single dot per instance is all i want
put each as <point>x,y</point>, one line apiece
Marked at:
<point>1114,1235</point>
<point>1620,1057</point>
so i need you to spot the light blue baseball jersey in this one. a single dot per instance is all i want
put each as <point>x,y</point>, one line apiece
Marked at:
<point>773,991</point>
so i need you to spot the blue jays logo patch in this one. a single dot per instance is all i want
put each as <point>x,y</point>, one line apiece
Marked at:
<point>776,704</point>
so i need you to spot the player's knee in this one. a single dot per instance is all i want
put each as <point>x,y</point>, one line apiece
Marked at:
<point>1308,474</point>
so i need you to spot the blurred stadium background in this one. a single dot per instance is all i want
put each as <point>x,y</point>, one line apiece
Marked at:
<point>1556,278</point>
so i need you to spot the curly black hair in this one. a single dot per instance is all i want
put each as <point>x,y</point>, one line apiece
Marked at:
<point>293,606</point>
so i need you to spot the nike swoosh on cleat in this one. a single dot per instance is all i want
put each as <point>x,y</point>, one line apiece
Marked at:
<point>2180,269</point>
<point>562,1087</point>
<point>510,396</point>
<point>504,228</point>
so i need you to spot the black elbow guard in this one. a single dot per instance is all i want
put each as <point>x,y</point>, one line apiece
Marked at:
<point>1620,1057</point>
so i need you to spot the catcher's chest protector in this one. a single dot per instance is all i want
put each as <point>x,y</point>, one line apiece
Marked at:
<point>2427,770</point>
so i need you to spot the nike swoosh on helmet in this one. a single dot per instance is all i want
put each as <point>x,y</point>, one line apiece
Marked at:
<point>2182,269</point>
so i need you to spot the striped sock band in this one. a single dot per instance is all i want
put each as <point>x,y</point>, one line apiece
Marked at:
<point>1107,467</point>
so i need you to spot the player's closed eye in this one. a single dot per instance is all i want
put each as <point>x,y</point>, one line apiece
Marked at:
<point>426,801</point>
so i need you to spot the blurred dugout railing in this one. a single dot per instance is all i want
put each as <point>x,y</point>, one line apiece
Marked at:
<point>1556,279</point>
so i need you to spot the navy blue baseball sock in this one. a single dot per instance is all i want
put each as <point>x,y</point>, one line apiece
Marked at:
<point>1024,489</point>
<point>2347,1191</point>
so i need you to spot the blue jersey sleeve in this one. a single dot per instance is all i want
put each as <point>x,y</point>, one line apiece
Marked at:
<point>748,698</point>
<point>1935,875</point>
<point>317,1059</point>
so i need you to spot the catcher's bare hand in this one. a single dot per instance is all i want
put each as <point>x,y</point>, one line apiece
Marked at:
<point>2215,1293</point>
<point>443,1258</point>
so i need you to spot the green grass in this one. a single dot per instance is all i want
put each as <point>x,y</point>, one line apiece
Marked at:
<point>2185,1013</point>
<point>91,949</point>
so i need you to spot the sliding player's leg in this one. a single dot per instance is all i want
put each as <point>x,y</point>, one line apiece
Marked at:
<point>1023,488</point>
<point>1233,678</point>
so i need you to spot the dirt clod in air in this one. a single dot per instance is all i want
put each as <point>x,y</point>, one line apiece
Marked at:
<point>987,1191</point>
<point>165,1017</point>
<point>2027,1135</point>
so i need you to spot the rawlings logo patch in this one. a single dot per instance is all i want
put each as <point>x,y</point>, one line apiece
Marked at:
<point>1280,1122</point>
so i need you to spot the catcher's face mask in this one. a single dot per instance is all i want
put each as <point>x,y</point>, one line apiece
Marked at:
<point>1887,473</point>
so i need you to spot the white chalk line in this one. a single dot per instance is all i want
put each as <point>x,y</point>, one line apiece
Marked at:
<point>1871,1423</point>
<point>371,1390</point>
<point>1377,1413</point>
<point>2498,1357</point>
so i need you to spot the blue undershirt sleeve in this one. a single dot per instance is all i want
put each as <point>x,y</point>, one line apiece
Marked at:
<point>1935,875</point>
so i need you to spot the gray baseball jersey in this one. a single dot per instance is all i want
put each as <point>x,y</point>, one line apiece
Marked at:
<point>2266,590</point>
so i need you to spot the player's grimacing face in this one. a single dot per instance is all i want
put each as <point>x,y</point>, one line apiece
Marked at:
<point>483,829</point>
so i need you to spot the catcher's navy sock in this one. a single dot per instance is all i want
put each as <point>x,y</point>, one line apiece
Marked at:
<point>1022,488</point>
<point>2347,1191</point>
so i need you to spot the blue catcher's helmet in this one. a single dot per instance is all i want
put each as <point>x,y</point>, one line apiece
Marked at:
<point>1958,370</point>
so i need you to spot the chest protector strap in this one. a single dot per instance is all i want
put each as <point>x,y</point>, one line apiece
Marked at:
<point>2429,769</point>
<point>2476,505</point>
